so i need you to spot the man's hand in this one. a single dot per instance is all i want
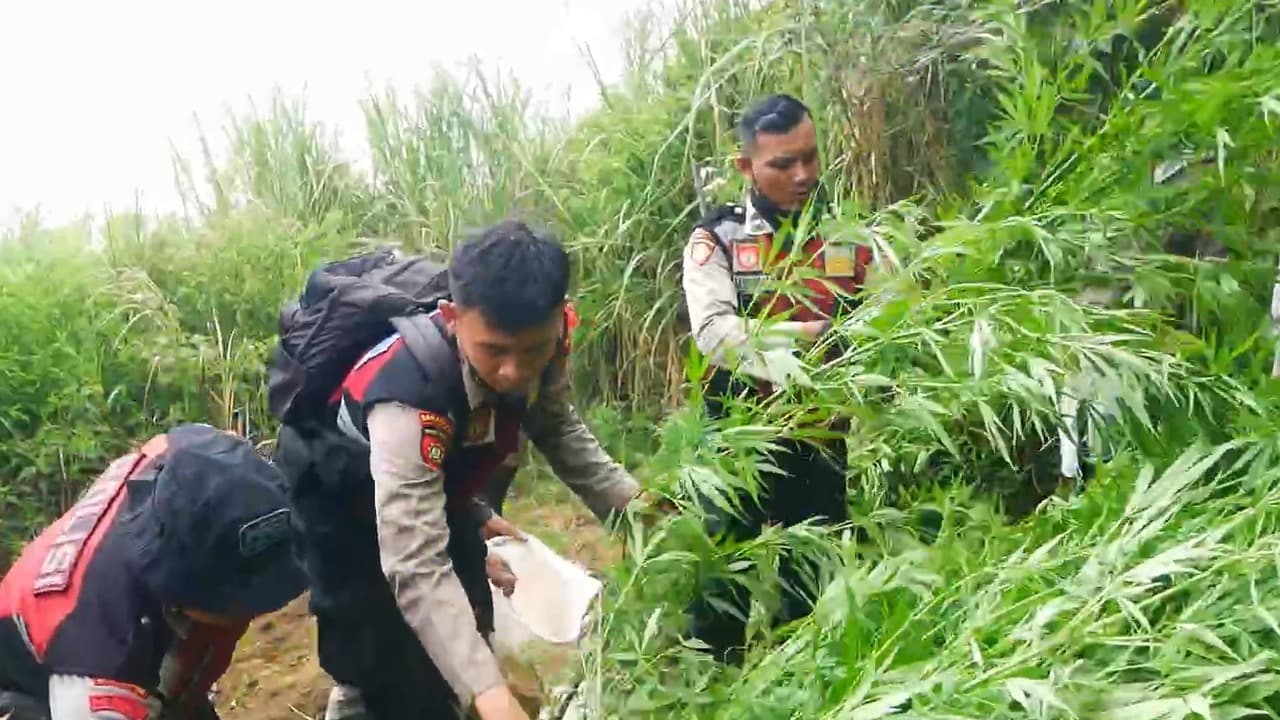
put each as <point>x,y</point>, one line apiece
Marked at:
<point>500,574</point>
<point>499,704</point>
<point>497,526</point>
<point>814,329</point>
<point>652,501</point>
<point>651,506</point>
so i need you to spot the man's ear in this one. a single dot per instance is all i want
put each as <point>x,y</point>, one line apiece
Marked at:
<point>449,313</point>
<point>743,163</point>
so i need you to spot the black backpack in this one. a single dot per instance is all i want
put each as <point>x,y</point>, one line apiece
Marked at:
<point>345,308</point>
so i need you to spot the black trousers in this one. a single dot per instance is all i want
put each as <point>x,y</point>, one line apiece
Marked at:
<point>363,639</point>
<point>811,486</point>
<point>368,645</point>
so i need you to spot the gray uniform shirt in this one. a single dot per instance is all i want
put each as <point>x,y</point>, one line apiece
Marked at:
<point>413,535</point>
<point>719,330</point>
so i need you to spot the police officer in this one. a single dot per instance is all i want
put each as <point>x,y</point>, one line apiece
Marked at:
<point>753,283</point>
<point>130,605</point>
<point>389,482</point>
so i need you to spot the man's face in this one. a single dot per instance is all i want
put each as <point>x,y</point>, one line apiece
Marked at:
<point>784,167</point>
<point>509,364</point>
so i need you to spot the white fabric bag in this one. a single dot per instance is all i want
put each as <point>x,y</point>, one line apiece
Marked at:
<point>552,600</point>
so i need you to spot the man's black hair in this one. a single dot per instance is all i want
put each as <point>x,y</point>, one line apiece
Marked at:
<point>773,115</point>
<point>515,277</point>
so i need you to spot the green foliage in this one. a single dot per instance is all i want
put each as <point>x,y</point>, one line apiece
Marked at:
<point>999,156</point>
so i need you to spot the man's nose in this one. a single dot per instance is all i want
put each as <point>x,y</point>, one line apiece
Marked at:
<point>511,373</point>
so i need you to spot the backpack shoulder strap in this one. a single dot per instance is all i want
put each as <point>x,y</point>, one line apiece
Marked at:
<point>437,355</point>
<point>724,222</point>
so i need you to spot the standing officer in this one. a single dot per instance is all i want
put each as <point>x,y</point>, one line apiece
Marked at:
<point>734,263</point>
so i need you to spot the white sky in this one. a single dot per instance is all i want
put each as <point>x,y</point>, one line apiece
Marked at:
<point>92,92</point>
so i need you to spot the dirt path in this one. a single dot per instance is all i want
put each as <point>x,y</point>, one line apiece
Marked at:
<point>275,674</point>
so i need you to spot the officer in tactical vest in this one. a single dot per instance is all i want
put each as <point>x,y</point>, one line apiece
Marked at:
<point>130,605</point>
<point>752,283</point>
<point>389,483</point>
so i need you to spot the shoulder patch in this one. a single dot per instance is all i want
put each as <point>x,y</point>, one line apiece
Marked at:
<point>702,246</point>
<point>437,433</point>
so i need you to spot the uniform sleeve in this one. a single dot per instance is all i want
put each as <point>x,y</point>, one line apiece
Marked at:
<point>720,333</point>
<point>76,697</point>
<point>557,431</point>
<point>407,450</point>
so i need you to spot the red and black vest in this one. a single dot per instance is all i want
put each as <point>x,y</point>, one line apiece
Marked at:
<point>72,605</point>
<point>777,275</point>
<point>418,366</point>
<point>484,437</point>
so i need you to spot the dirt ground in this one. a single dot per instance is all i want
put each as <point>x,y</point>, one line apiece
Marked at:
<point>275,674</point>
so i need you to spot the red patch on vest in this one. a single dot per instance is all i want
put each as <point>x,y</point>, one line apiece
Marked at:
<point>746,256</point>
<point>124,705</point>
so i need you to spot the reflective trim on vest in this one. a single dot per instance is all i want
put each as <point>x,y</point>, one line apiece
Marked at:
<point>357,381</point>
<point>43,587</point>
<point>66,548</point>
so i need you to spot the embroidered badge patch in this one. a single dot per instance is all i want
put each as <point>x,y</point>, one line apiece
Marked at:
<point>436,433</point>
<point>435,421</point>
<point>432,452</point>
<point>701,247</point>
<point>839,260</point>
<point>746,256</point>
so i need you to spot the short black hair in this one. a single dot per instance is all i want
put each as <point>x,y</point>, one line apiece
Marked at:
<point>515,277</point>
<point>774,115</point>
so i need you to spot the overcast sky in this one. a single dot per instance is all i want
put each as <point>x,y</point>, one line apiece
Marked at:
<point>94,92</point>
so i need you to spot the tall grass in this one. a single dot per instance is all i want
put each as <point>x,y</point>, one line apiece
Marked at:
<point>998,155</point>
<point>1145,595</point>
